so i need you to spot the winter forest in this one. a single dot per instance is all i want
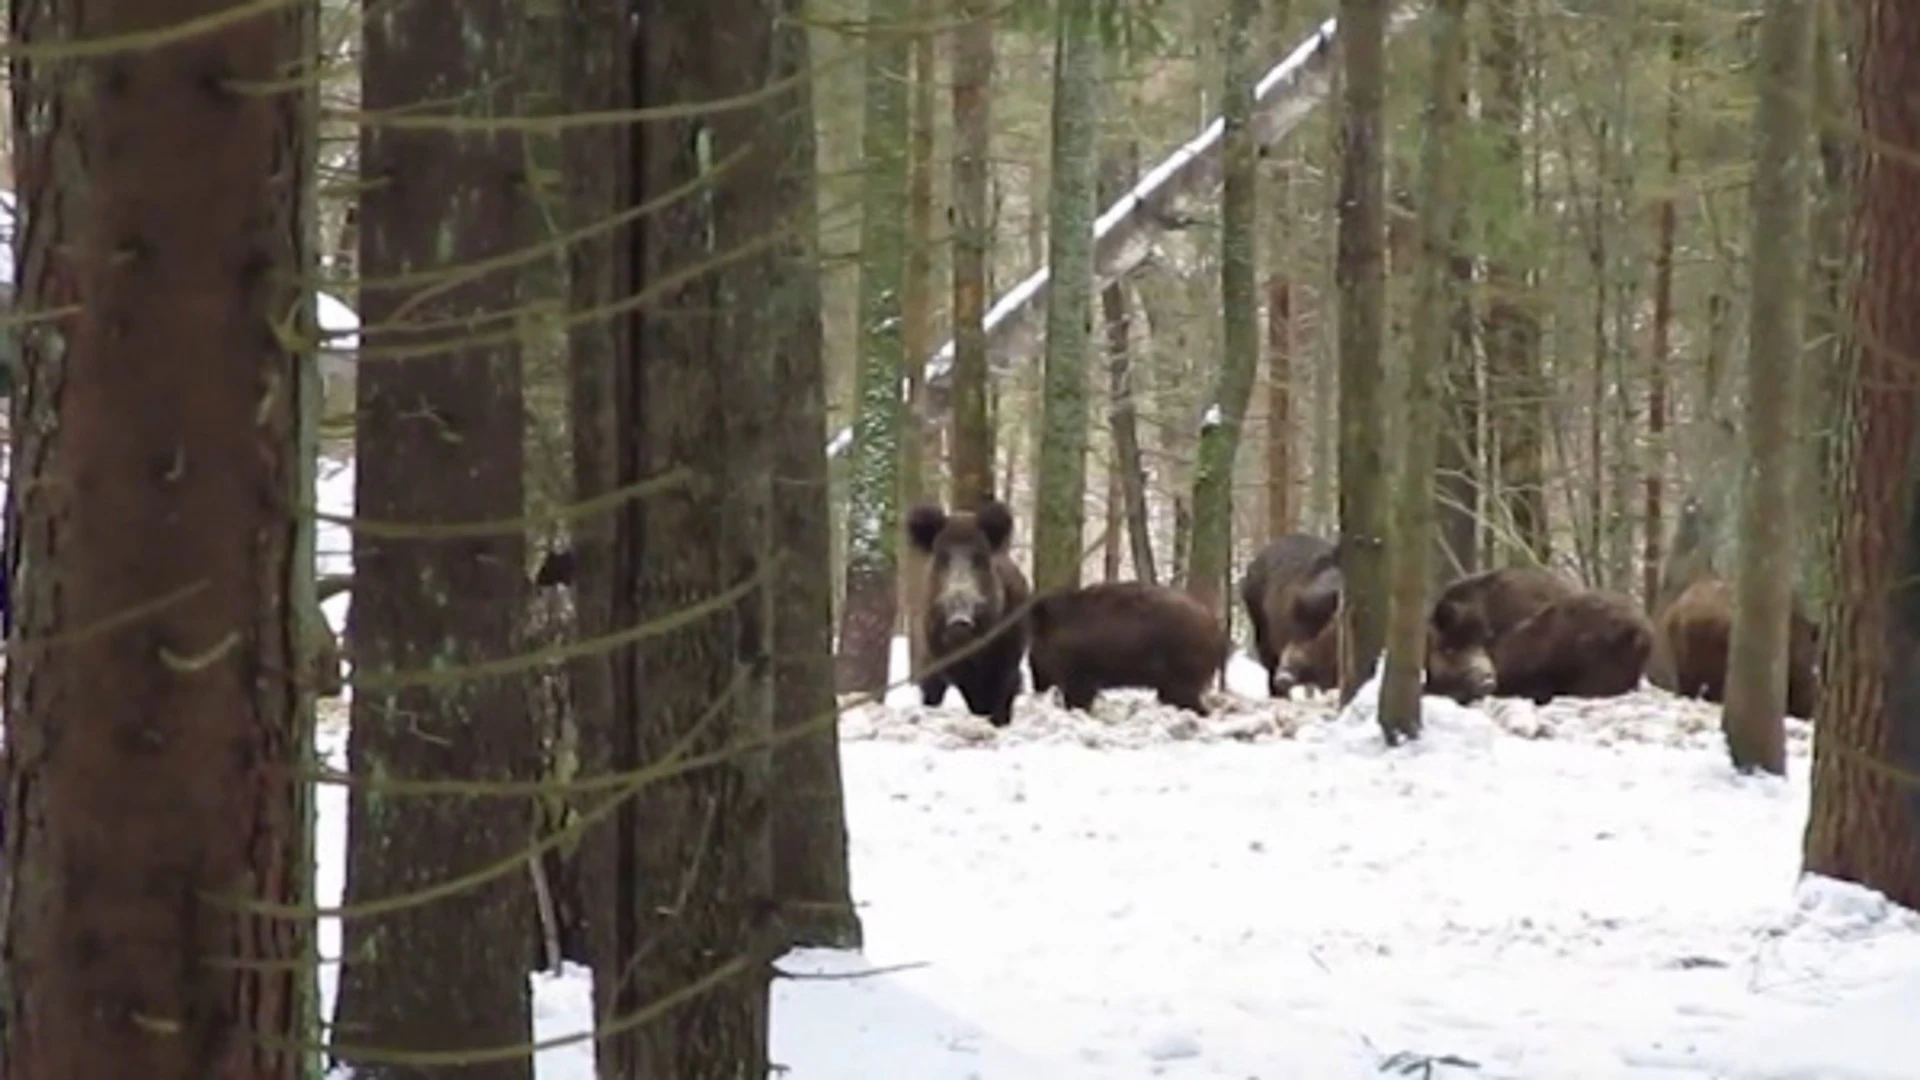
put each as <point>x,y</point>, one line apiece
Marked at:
<point>960,539</point>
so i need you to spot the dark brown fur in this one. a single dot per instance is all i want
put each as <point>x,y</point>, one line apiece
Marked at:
<point>1274,578</point>
<point>1472,615</point>
<point>1125,633</point>
<point>1693,635</point>
<point>1591,644</point>
<point>1315,661</point>
<point>973,589</point>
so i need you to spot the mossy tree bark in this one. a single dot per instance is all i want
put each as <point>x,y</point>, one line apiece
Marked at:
<point>692,891</point>
<point>1220,431</point>
<point>1432,333</point>
<point>154,690</point>
<point>439,425</point>
<point>1360,280</point>
<point>973,435</point>
<point>873,487</point>
<point>1864,821</point>
<point>1060,489</point>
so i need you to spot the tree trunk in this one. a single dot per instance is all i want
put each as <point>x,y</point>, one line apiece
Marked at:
<point>1517,391</point>
<point>1864,823</point>
<point>1456,478</point>
<point>972,245</point>
<point>917,327</point>
<point>1360,277</point>
<point>1061,484</point>
<point>693,893</point>
<point>873,511</point>
<point>1433,312</point>
<point>155,690</point>
<point>599,183</point>
<point>1282,503</point>
<point>1129,478</point>
<point>1283,509</point>
<point>1220,431</point>
<point>1756,685</point>
<point>438,437</point>
<point>810,872</point>
<point>1666,222</point>
<point>1831,253</point>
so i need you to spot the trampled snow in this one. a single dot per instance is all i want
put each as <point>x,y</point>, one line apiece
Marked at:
<point>1581,890</point>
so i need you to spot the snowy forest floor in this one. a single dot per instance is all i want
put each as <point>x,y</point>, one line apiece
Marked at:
<point>1580,890</point>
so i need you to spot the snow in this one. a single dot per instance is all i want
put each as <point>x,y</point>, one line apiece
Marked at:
<point>1577,890</point>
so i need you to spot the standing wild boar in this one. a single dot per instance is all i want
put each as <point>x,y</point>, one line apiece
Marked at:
<point>1278,575</point>
<point>973,588</point>
<point>1125,633</point>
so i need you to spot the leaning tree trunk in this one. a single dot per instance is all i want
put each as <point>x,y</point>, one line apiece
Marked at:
<point>810,874</point>
<point>1212,550</point>
<point>1753,717</point>
<point>154,697</point>
<point>972,440</point>
<point>1864,824</point>
<point>1433,312</point>
<point>1360,277</point>
<point>873,524</point>
<point>1061,486</point>
<point>439,438</point>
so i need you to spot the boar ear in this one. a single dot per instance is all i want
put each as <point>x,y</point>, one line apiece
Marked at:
<point>996,523</point>
<point>924,524</point>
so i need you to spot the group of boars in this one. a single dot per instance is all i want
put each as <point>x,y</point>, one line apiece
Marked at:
<point>1518,631</point>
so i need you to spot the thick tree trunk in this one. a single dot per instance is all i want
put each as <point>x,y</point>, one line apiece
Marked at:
<point>1756,692</point>
<point>1360,276</point>
<point>1517,391</point>
<point>1220,432</point>
<point>693,895</point>
<point>1061,484</point>
<point>1433,329</point>
<point>873,526</point>
<point>438,436</point>
<point>154,691</point>
<point>1864,821</point>
<point>973,435</point>
<point>810,873</point>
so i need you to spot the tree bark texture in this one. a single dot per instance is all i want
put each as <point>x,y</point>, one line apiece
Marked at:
<point>873,512</point>
<point>1360,279</point>
<point>1432,331</point>
<point>973,435</point>
<point>153,690</point>
<point>1864,821</point>
<point>1517,391</point>
<point>1660,348</point>
<point>439,425</point>
<point>1753,717</point>
<point>917,329</point>
<point>1061,485</point>
<point>693,892</point>
<point>1123,410</point>
<point>1221,431</point>
<point>810,871</point>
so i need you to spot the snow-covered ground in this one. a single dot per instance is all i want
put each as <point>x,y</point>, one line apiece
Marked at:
<point>1577,891</point>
